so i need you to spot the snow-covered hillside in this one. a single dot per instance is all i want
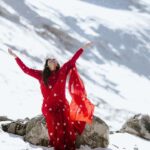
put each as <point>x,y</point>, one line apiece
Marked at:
<point>116,70</point>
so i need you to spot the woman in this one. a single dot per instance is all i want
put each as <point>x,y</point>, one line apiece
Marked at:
<point>63,121</point>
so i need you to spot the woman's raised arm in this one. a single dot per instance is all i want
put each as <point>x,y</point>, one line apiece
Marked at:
<point>32,72</point>
<point>79,52</point>
<point>74,58</point>
<point>71,62</point>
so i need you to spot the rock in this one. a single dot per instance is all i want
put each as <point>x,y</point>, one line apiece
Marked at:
<point>16,127</point>
<point>11,16</point>
<point>35,132</point>
<point>95,135</point>
<point>138,125</point>
<point>4,118</point>
<point>52,32</point>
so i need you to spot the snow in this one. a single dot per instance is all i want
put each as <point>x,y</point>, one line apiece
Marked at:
<point>119,141</point>
<point>115,70</point>
<point>129,142</point>
<point>11,141</point>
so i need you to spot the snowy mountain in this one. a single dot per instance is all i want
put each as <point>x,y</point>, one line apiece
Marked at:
<point>116,70</point>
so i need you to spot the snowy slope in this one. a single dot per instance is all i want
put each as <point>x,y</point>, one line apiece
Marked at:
<point>115,70</point>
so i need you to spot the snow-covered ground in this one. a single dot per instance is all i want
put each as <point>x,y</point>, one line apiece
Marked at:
<point>116,70</point>
<point>118,141</point>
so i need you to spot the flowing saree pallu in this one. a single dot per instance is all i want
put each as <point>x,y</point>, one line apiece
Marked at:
<point>81,109</point>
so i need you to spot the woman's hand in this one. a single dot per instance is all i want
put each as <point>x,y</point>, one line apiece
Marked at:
<point>11,53</point>
<point>87,45</point>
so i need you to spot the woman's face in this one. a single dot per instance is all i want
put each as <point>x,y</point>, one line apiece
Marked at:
<point>52,64</point>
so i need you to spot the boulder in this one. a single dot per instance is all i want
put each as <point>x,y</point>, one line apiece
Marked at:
<point>35,131</point>
<point>95,135</point>
<point>138,125</point>
<point>16,127</point>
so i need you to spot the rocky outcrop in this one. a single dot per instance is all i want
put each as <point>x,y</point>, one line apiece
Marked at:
<point>8,15</point>
<point>138,125</point>
<point>51,32</point>
<point>34,131</point>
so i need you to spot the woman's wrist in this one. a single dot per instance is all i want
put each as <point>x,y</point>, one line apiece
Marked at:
<point>15,56</point>
<point>87,45</point>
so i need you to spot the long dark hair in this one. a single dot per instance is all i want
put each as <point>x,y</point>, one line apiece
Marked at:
<point>47,72</point>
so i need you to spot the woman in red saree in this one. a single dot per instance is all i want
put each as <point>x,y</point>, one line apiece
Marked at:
<point>64,121</point>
